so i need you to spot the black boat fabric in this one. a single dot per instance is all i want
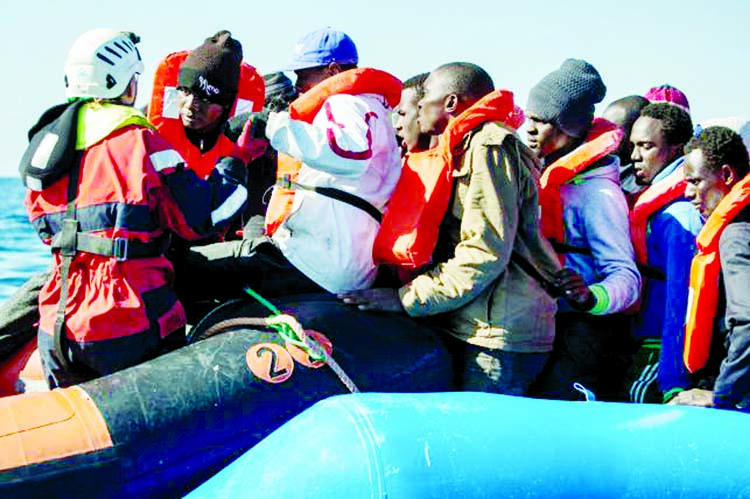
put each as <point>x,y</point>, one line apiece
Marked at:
<point>178,419</point>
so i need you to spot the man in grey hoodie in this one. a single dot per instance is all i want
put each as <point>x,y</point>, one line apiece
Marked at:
<point>585,216</point>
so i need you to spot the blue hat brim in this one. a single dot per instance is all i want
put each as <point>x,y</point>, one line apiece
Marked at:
<point>294,66</point>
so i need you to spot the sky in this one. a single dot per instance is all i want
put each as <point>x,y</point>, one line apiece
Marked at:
<point>694,45</point>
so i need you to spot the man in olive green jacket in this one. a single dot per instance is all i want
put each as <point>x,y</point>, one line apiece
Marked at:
<point>491,266</point>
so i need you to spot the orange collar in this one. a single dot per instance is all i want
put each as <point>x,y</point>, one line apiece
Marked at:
<point>725,211</point>
<point>353,82</point>
<point>495,106</point>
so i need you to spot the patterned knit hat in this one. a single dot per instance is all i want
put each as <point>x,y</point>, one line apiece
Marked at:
<point>566,97</point>
<point>213,70</point>
<point>280,91</point>
<point>668,93</point>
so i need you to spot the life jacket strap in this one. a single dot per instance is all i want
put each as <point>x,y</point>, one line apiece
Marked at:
<point>68,244</point>
<point>645,270</point>
<point>119,247</point>
<point>337,194</point>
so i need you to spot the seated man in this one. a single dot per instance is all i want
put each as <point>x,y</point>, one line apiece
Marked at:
<point>585,216</point>
<point>718,184</point>
<point>196,94</point>
<point>340,135</point>
<point>485,287</point>
<point>623,112</point>
<point>663,226</point>
<point>412,140</point>
<point>410,137</point>
<point>200,102</point>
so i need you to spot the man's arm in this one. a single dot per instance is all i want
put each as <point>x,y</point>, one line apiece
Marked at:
<point>338,141</point>
<point>194,208</point>
<point>733,383</point>
<point>605,217</point>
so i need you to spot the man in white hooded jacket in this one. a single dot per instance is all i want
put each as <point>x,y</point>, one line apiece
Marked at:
<point>340,133</point>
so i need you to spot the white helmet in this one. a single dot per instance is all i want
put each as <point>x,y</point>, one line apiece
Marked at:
<point>101,63</point>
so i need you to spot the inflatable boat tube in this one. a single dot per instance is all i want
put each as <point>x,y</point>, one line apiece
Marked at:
<point>437,445</point>
<point>161,428</point>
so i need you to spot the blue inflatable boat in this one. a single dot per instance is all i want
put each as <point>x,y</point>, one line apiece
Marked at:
<point>476,445</point>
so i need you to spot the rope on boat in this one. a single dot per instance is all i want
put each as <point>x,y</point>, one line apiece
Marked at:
<point>291,330</point>
<point>310,345</point>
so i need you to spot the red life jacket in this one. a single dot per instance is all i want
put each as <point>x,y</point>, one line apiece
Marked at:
<point>705,269</point>
<point>409,230</point>
<point>603,138</point>
<point>163,111</point>
<point>649,202</point>
<point>353,82</point>
<point>119,192</point>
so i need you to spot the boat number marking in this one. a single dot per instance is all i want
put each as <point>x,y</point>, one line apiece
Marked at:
<point>301,355</point>
<point>270,362</point>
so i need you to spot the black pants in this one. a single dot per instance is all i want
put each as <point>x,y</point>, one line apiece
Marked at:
<point>594,351</point>
<point>215,273</point>
<point>95,359</point>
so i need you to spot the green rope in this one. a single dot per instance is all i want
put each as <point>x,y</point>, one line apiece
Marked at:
<point>270,306</point>
<point>313,349</point>
<point>285,330</point>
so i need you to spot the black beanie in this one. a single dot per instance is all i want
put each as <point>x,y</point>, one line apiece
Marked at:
<point>213,70</point>
<point>566,97</point>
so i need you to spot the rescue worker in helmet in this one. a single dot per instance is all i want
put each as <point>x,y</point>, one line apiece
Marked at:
<point>104,191</point>
<point>201,128</point>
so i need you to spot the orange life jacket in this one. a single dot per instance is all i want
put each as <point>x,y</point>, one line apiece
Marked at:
<point>163,111</point>
<point>282,197</point>
<point>649,202</point>
<point>705,269</point>
<point>603,138</point>
<point>353,82</point>
<point>409,230</point>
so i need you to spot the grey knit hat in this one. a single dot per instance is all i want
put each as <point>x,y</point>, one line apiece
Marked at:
<point>280,91</point>
<point>566,97</point>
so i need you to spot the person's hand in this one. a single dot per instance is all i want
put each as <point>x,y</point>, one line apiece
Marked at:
<point>696,397</point>
<point>378,299</point>
<point>574,290</point>
<point>248,146</point>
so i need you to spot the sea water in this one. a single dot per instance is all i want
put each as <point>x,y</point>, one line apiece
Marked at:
<point>22,253</point>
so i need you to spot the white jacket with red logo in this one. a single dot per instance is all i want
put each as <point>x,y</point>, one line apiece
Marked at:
<point>351,146</point>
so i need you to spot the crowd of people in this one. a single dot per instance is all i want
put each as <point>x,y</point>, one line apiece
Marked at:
<point>558,254</point>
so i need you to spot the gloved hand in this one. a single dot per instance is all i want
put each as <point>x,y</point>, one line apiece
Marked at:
<point>249,146</point>
<point>574,290</point>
